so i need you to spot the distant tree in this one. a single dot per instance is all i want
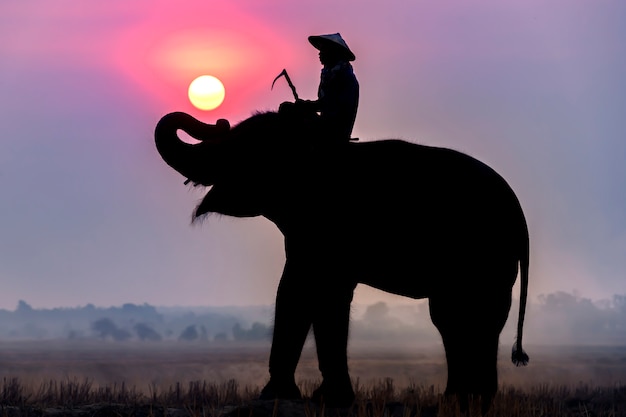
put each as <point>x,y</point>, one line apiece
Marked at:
<point>23,308</point>
<point>238,332</point>
<point>376,313</point>
<point>145,332</point>
<point>105,328</point>
<point>189,334</point>
<point>130,308</point>
<point>575,319</point>
<point>258,331</point>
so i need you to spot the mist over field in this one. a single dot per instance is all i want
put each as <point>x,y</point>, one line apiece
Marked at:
<point>554,319</point>
<point>577,348</point>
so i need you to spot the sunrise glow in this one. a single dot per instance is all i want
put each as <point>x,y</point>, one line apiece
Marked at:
<point>162,56</point>
<point>206,92</point>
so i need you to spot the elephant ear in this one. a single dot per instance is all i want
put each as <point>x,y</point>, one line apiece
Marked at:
<point>231,200</point>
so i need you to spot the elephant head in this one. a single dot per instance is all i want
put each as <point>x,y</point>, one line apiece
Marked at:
<point>237,163</point>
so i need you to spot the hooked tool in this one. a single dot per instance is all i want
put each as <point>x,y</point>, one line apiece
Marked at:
<point>284,74</point>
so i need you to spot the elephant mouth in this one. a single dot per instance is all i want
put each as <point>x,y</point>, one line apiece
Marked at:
<point>208,204</point>
<point>229,199</point>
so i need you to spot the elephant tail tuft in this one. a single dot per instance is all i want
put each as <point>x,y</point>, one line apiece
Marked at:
<point>519,357</point>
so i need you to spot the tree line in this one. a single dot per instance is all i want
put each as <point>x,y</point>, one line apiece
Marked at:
<point>556,318</point>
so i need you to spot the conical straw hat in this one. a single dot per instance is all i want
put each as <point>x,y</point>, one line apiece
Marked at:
<point>334,41</point>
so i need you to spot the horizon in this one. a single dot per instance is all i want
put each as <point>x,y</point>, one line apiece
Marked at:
<point>555,319</point>
<point>605,302</point>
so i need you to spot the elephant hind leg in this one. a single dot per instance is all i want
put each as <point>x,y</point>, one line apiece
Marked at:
<point>472,369</point>
<point>470,328</point>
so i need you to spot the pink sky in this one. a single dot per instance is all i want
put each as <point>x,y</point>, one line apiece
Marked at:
<point>91,214</point>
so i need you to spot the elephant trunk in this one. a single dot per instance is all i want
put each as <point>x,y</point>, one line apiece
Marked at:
<point>190,160</point>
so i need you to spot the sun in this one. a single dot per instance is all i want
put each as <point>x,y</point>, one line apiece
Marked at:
<point>206,92</point>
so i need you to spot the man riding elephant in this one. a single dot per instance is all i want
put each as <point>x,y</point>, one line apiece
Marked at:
<point>338,92</point>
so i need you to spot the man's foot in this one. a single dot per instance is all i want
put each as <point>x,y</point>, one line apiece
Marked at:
<point>284,390</point>
<point>334,394</point>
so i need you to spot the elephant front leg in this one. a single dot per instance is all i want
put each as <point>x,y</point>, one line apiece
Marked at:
<point>292,323</point>
<point>330,327</point>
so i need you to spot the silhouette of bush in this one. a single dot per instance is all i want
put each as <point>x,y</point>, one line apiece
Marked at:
<point>105,328</point>
<point>145,332</point>
<point>189,334</point>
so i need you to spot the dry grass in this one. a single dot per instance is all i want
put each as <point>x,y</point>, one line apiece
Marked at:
<point>384,399</point>
<point>72,393</point>
<point>142,380</point>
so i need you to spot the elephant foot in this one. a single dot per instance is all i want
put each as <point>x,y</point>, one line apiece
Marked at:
<point>284,390</point>
<point>334,394</point>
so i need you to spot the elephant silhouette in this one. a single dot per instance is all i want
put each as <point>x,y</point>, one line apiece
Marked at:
<point>413,220</point>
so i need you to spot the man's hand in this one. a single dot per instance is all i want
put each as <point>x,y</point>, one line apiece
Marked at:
<point>306,105</point>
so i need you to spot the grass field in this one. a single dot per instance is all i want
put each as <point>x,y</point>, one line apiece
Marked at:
<point>171,379</point>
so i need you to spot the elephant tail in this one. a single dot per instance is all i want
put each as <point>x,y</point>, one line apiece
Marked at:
<point>519,357</point>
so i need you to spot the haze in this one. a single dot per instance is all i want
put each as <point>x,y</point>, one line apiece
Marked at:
<point>90,214</point>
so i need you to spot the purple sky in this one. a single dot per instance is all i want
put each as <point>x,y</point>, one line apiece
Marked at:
<point>90,213</point>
